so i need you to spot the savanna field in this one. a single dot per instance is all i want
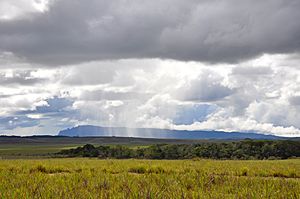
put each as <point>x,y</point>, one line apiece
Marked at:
<point>131,178</point>
<point>161,99</point>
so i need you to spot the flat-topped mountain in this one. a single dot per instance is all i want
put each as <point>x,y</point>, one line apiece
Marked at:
<point>94,131</point>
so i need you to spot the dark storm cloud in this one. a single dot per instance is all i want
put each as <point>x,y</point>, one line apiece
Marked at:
<point>73,31</point>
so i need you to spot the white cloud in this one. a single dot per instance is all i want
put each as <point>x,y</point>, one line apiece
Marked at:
<point>158,93</point>
<point>221,65</point>
<point>10,10</point>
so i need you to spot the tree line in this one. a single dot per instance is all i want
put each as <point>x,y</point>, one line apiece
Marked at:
<point>246,149</point>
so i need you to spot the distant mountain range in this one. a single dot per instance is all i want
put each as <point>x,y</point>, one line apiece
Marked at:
<point>95,131</point>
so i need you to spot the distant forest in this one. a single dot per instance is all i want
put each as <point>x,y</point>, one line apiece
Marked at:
<point>246,149</point>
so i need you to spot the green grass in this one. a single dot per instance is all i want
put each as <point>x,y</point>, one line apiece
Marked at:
<point>8,151</point>
<point>94,178</point>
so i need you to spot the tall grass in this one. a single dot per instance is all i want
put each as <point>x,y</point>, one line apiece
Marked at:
<point>93,178</point>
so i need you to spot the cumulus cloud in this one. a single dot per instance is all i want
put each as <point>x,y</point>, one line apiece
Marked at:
<point>207,87</point>
<point>212,31</point>
<point>19,77</point>
<point>18,8</point>
<point>10,123</point>
<point>171,94</point>
<point>233,124</point>
<point>219,65</point>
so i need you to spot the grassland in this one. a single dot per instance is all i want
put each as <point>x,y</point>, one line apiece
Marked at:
<point>95,178</point>
<point>27,171</point>
<point>25,151</point>
<point>12,147</point>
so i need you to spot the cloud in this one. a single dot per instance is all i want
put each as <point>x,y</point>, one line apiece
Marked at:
<point>89,74</point>
<point>250,71</point>
<point>233,124</point>
<point>111,95</point>
<point>220,65</point>
<point>54,104</point>
<point>207,87</point>
<point>69,31</point>
<point>294,100</point>
<point>18,8</point>
<point>10,123</point>
<point>188,114</point>
<point>24,77</point>
<point>54,109</point>
<point>257,95</point>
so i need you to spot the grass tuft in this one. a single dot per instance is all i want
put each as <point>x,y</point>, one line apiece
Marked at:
<point>138,169</point>
<point>245,171</point>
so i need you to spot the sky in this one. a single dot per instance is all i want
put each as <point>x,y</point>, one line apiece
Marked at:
<point>225,65</point>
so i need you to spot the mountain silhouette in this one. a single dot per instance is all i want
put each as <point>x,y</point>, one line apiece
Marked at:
<point>95,131</point>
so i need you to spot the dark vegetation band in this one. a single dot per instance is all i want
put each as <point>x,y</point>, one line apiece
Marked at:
<point>246,149</point>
